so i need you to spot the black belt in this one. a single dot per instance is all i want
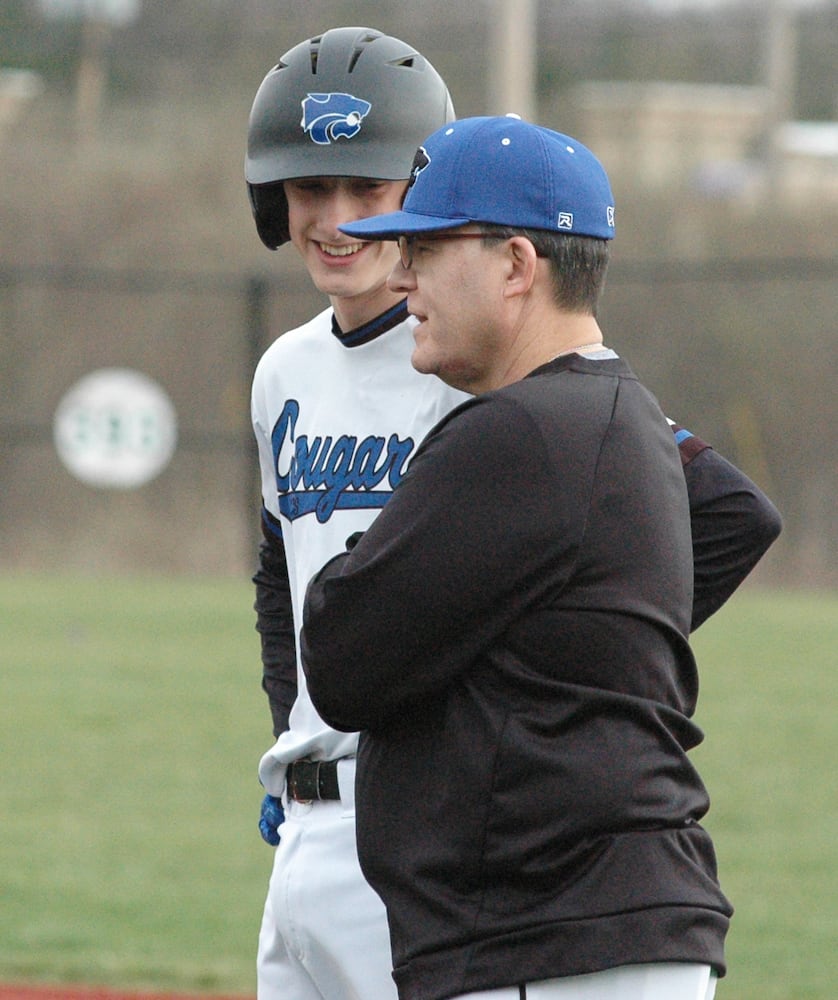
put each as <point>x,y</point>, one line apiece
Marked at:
<point>309,780</point>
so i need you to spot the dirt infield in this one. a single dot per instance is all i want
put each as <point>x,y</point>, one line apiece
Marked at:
<point>11,991</point>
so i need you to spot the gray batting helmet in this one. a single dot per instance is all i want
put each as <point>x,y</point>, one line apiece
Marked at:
<point>352,102</point>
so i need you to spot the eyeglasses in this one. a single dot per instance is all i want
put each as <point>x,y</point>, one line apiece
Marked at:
<point>407,243</point>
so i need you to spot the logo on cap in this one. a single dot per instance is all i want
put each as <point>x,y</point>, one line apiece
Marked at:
<point>329,117</point>
<point>565,220</point>
<point>420,161</point>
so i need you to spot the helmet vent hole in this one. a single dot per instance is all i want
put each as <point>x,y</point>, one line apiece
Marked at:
<point>408,62</point>
<point>360,45</point>
<point>314,52</point>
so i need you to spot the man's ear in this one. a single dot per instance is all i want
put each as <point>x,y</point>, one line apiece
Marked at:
<point>522,262</point>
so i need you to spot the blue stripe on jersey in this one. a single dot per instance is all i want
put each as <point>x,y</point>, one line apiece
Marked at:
<point>270,525</point>
<point>682,435</point>
<point>321,503</point>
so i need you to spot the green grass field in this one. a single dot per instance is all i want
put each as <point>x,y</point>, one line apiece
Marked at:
<point>131,723</point>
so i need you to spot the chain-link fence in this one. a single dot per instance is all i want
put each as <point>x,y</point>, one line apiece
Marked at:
<point>741,352</point>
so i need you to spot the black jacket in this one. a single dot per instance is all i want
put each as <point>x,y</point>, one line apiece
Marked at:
<point>511,635</point>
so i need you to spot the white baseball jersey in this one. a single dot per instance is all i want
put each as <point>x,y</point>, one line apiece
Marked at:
<point>336,426</point>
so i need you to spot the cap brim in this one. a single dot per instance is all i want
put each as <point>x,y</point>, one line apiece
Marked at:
<point>393,225</point>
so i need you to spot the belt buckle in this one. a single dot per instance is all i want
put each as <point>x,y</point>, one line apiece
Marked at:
<point>304,791</point>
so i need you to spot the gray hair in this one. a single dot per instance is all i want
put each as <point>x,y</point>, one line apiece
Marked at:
<point>577,264</point>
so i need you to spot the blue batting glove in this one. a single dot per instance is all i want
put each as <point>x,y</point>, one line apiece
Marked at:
<point>271,819</point>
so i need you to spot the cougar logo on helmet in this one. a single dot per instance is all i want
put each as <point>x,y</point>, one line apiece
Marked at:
<point>328,117</point>
<point>420,161</point>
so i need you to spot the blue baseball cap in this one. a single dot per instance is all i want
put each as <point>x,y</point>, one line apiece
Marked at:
<point>500,171</point>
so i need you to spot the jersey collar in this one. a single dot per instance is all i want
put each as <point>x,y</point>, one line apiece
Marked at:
<point>375,328</point>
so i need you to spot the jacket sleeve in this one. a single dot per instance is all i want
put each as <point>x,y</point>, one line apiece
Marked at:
<point>733,524</point>
<point>402,616</point>
<point>275,624</point>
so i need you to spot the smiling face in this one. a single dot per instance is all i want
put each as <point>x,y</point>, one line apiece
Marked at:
<point>353,274</point>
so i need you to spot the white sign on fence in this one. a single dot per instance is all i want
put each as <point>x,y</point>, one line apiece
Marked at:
<point>115,429</point>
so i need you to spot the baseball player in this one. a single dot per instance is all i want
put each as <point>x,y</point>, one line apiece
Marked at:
<point>338,413</point>
<point>511,634</point>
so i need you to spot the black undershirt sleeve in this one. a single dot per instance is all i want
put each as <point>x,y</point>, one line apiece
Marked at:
<point>275,624</point>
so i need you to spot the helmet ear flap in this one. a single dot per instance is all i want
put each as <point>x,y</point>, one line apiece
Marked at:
<point>270,212</point>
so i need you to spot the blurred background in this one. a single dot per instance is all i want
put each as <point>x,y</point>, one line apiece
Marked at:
<point>127,249</point>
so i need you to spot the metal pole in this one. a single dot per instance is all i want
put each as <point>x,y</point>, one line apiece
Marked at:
<point>91,76</point>
<point>512,58</point>
<point>256,294</point>
<point>779,78</point>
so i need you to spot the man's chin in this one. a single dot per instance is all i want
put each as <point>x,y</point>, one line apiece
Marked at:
<point>421,363</point>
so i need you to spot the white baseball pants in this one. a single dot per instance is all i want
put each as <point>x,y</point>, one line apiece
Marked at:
<point>659,981</point>
<point>324,930</point>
